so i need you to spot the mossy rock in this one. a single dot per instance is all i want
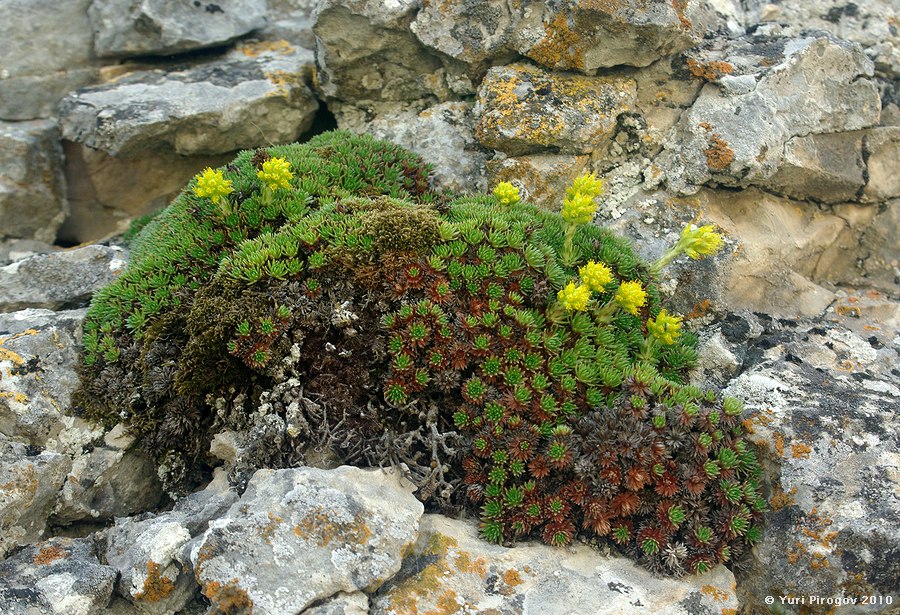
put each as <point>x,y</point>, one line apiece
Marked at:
<point>360,315</point>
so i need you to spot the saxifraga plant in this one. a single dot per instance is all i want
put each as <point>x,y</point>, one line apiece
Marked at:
<point>517,361</point>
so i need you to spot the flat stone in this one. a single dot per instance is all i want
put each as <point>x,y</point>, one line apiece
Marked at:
<point>251,97</point>
<point>451,567</point>
<point>291,21</point>
<point>59,280</point>
<point>61,576</point>
<point>585,36</point>
<point>299,536</point>
<point>542,179</point>
<point>827,167</point>
<point>124,28</point>
<point>523,109</point>
<point>32,185</point>
<point>47,51</point>
<point>809,85</point>
<point>29,483</point>
<point>38,358</point>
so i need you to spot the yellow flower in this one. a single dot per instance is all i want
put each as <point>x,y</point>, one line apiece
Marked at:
<point>595,275</point>
<point>587,184</point>
<point>212,184</point>
<point>665,327</point>
<point>276,173</point>
<point>700,242</point>
<point>579,208</point>
<point>631,296</point>
<point>574,298</point>
<point>507,194</point>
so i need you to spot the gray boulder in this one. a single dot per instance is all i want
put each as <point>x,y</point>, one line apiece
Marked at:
<point>769,91</point>
<point>365,51</point>
<point>29,483</point>
<point>46,52</point>
<point>125,28</point>
<point>300,536</point>
<point>523,109</point>
<point>821,399</point>
<point>32,184</point>
<point>452,568</point>
<point>252,97</point>
<point>61,576</point>
<point>59,280</point>
<point>146,551</point>
<point>38,359</point>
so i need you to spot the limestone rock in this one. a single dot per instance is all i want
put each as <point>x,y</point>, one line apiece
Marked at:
<point>38,357</point>
<point>473,32</point>
<point>442,135</point>
<point>585,36</point>
<point>827,167</point>
<point>61,576</point>
<point>291,21</point>
<point>735,133</point>
<point>300,536</point>
<point>872,24</point>
<point>59,280</point>
<point>821,403</point>
<point>523,109</point>
<point>46,52</point>
<point>32,185</point>
<point>882,147</point>
<point>542,179</point>
<point>252,97</point>
<point>29,483</point>
<point>146,551</point>
<point>356,603</point>
<point>451,567</point>
<point>365,51</point>
<point>155,27</point>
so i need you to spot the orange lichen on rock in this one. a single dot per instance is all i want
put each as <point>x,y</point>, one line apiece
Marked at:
<point>800,450</point>
<point>49,554</point>
<point>718,155</point>
<point>781,498</point>
<point>562,45</point>
<point>512,577</point>
<point>156,586</point>
<point>259,47</point>
<point>228,598</point>
<point>709,71</point>
<point>715,593</point>
<point>319,528</point>
<point>680,7</point>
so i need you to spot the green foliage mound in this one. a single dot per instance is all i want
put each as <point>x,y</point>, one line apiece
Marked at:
<point>356,316</point>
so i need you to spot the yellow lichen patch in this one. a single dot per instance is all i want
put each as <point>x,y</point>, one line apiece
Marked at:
<point>156,586</point>
<point>8,355</point>
<point>709,71</point>
<point>49,554</point>
<point>562,45</point>
<point>779,445</point>
<point>19,397</point>
<point>800,450</point>
<point>283,81</point>
<point>267,530</point>
<point>257,48</point>
<point>227,598</point>
<point>320,529</point>
<point>729,611</point>
<point>512,577</point>
<point>715,593</point>
<point>718,155</point>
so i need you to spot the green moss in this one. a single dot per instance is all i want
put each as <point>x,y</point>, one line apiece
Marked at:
<point>436,315</point>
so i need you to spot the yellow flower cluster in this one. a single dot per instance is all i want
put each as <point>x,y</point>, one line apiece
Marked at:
<point>213,185</point>
<point>578,206</point>
<point>574,298</point>
<point>631,296</point>
<point>276,173</point>
<point>507,194</point>
<point>665,327</point>
<point>595,276</point>
<point>698,242</point>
